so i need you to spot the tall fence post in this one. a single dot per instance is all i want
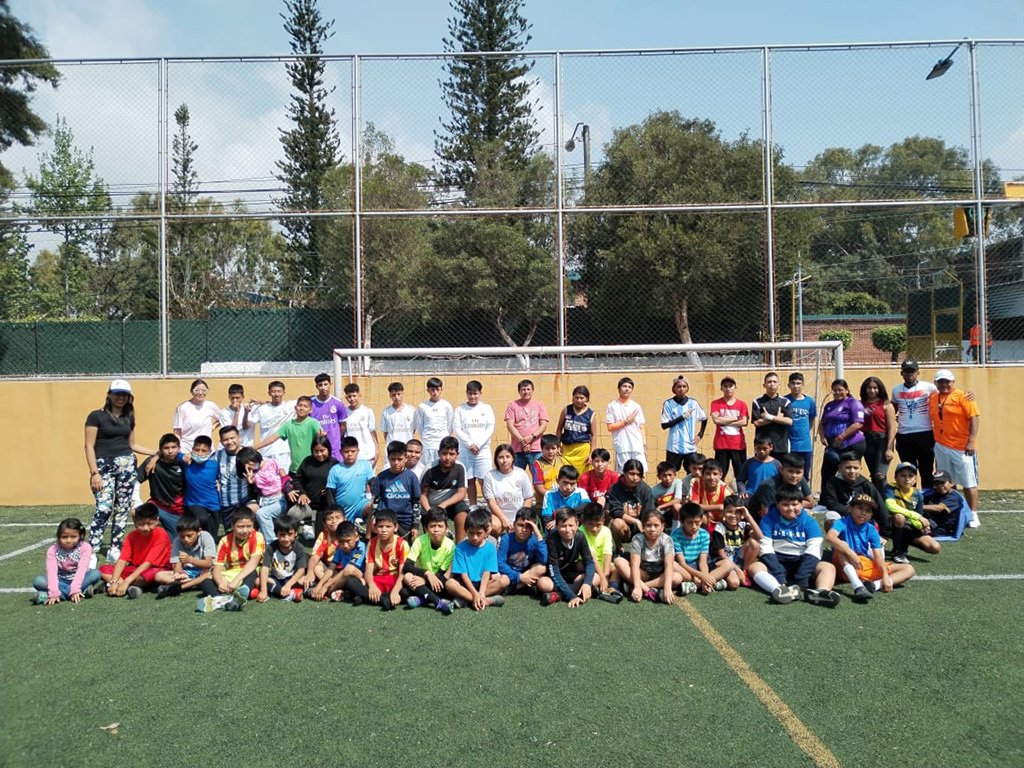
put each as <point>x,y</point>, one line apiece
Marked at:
<point>769,191</point>
<point>560,215</point>
<point>165,334</point>
<point>357,198</point>
<point>981,313</point>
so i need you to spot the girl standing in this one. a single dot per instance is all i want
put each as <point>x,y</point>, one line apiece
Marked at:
<point>196,416</point>
<point>576,429</point>
<point>839,429</point>
<point>879,430</point>
<point>68,574</point>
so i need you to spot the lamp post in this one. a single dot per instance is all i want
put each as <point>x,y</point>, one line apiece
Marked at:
<point>570,145</point>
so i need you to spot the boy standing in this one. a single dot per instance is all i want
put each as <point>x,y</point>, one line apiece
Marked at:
<point>298,433</point>
<point>625,420</point>
<point>398,420</point>
<point>330,412</point>
<point>396,489</point>
<point>526,420</point>
<point>475,580</point>
<point>772,416</point>
<point>474,426</point>
<point>201,499</point>
<point>233,488</point>
<point>730,416</point>
<point>757,469</point>
<point>414,456</point>
<point>544,471</point>
<point>271,417</point>
<point>362,425</point>
<point>349,482</point>
<point>680,415</point>
<point>444,487</point>
<point>166,475</point>
<point>237,415</point>
<point>435,419</point>
<point>146,552</point>
<point>801,431</point>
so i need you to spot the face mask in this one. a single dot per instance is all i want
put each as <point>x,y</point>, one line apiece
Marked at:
<point>200,459</point>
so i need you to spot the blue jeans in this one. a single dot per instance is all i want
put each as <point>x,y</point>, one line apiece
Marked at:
<point>169,522</point>
<point>39,583</point>
<point>524,460</point>
<point>270,508</point>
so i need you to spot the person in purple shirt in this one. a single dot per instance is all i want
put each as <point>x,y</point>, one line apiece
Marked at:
<point>840,429</point>
<point>330,412</point>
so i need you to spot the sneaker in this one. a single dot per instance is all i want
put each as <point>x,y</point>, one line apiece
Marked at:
<point>413,601</point>
<point>289,598</point>
<point>234,603</point>
<point>161,591</point>
<point>870,587</point>
<point>654,595</point>
<point>496,602</point>
<point>297,594</point>
<point>133,592</point>
<point>337,596</point>
<point>356,599</point>
<point>900,558</point>
<point>113,553</point>
<point>360,526</point>
<point>243,592</point>
<point>547,598</point>
<point>720,585</point>
<point>796,592</point>
<point>99,588</point>
<point>211,604</point>
<point>612,596</point>
<point>862,595</point>
<point>445,607</point>
<point>782,595</point>
<point>458,602</point>
<point>826,597</point>
<point>687,588</point>
<point>40,598</point>
<point>747,581</point>
<point>308,533</point>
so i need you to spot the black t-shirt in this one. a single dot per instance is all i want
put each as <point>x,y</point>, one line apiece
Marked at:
<point>166,482</point>
<point>111,433</point>
<point>764,497</point>
<point>311,479</point>
<point>439,486</point>
<point>779,433</point>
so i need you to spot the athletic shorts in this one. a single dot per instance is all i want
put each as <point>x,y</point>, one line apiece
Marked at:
<point>385,582</point>
<point>146,578</point>
<point>652,570</point>
<point>961,467</point>
<point>867,570</point>
<point>477,465</point>
<point>576,454</point>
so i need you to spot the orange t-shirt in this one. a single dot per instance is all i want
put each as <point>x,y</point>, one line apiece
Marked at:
<point>952,421</point>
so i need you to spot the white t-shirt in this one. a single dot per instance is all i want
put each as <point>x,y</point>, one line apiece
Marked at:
<point>195,420</point>
<point>434,421</point>
<point>271,418</point>
<point>629,439</point>
<point>246,435</point>
<point>361,425</point>
<point>509,491</point>
<point>398,425</point>
<point>912,407</point>
<point>474,426</point>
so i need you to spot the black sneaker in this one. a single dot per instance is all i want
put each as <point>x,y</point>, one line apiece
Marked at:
<point>870,587</point>
<point>826,597</point>
<point>782,595</point>
<point>862,595</point>
<point>547,598</point>
<point>900,558</point>
<point>133,592</point>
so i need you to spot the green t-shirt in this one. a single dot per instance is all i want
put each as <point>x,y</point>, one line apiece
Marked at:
<point>600,545</point>
<point>299,435</point>
<point>429,559</point>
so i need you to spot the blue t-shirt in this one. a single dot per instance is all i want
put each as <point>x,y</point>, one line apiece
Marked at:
<point>691,549</point>
<point>790,537</point>
<point>474,561</point>
<point>349,486</point>
<point>860,538</point>
<point>397,492</point>
<point>356,557</point>
<point>201,484</point>
<point>755,472</point>
<point>516,556</point>
<point>804,410</point>
<point>554,499</point>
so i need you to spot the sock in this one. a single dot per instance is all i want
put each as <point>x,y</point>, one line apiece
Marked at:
<point>766,581</point>
<point>427,595</point>
<point>851,573</point>
<point>877,583</point>
<point>898,544</point>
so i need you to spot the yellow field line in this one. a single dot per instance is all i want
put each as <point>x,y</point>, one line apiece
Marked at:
<point>802,736</point>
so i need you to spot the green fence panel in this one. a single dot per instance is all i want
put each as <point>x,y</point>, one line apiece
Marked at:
<point>18,349</point>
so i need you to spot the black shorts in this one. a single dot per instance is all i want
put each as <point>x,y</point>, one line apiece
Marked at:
<point>652,570</point>
<point>455,509</point>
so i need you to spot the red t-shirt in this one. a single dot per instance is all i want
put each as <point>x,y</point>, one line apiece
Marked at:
<point>597,488</point>
<point>729,438</point>
<point>154,549</point>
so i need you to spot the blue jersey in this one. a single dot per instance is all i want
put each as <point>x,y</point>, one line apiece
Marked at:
<point>201,484</point>
<point>554,500</point>
<point>398,492</point>
<point>796,537</point>
<point>348,484</point>
<point>474,561</point>
<point>860,538</point>
<point>357,557</point>
<point>681,435</point>
<point>804,412</point>
<point>577,426</point>
<point>516,556</point>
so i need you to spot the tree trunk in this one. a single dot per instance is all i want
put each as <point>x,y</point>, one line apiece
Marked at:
<point>682,318</point>
<point>524,360</point>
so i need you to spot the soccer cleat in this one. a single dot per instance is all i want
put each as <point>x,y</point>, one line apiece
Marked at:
<point>40,598</point>
<point>654,595</point>
<point>218,603</point>
<point>826,597</point>
<point>612,596</point>
<point>547,598</point>
<point>900,558</point>
<point>862,595</point>
<point>496,602</point>
<point>242,593</point>
<point>297,594</point>
<point>161,591</point>
<point>782,595</point>
<point>687,588</point>
<point>289,598</point>
<point>413,601</point>
<point>133,592</point>
<point>445,607</point>
<point>720,585</point>
<point>870,587</point>
<point>234,603</point>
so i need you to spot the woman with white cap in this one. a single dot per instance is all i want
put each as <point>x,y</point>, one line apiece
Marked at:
<point>110,450</point>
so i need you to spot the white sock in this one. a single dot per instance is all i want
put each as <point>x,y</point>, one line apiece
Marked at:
<point>851,573</point>
<point>877,583</point>
<point>766,581</point>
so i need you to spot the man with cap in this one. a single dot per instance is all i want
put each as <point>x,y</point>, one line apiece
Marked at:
<point>954,420</point>
<point>914,439</point>
<point>680,415</point>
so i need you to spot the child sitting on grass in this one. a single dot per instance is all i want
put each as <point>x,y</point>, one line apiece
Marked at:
<point>475,580</point>
<point>430,561</point>
<point>192,554</point>
<point>385,561</point>
<point>68,576</point>
<point>544,470</point>
<point>564,494</point>
<point>910,525</point>
<point>571,575</point>
<point>602,546</point>
<point>650,569</point>
<point>668,494</point>
<point>235,570</point>
<point>284,563</point>
<point>946,508</point>
<point>146,552</point>
<point>735,540</point>
<point>522,553</point>
<point>791,555</point>
<point>692,542</point>
<point>349,562</point>
<point>858,554</point>
<point>326,544</point>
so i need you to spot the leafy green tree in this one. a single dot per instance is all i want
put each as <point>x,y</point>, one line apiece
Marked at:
<point>68,187</point>
<point>858,303</point>
<point>488,96</point>
<point>837,334</point>
<point>311,145</point>
<point>184,178</point>
<point>891,339</point>
<point>18,80</point>
<point>683,267</point>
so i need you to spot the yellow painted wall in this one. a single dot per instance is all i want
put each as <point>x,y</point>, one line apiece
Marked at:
<point>45,427</point>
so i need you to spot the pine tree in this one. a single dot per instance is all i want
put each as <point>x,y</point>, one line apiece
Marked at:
<point>185,179</point>
<point>311,146</point>
<point>492,123</point>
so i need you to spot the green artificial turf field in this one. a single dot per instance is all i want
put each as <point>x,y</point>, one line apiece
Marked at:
<point>927,676</point>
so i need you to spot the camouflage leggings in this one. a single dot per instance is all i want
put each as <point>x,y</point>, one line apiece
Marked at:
<point>114,498</point>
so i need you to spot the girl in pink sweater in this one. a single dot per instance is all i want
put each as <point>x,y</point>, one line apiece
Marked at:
<point>68,576</point>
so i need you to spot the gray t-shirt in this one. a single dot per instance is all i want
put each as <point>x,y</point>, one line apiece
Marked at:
<point>652,557</point>
<point>205,547</point>
<point>282,565</point>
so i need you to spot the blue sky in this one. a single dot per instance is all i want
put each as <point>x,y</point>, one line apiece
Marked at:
<point>836,98</point>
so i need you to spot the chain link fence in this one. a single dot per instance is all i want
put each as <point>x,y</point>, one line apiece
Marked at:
<point>744,195</point>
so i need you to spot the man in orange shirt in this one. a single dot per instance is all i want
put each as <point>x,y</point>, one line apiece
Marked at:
<point>955,424</point>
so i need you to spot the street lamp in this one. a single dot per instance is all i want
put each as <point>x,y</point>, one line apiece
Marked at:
<point>570,145</point>
<point>942,65</point>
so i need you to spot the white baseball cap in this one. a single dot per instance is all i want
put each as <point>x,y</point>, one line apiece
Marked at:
<point>944,374</point>
<point>120,386</point>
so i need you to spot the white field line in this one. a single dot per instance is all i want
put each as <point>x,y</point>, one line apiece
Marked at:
<point>969,577</point>
<point>28,525</point>
<point>23,550</point>
<point>15,590</point>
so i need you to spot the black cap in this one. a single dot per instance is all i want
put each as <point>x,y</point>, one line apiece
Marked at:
<point>910,365</point>
<point>941,476</point>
